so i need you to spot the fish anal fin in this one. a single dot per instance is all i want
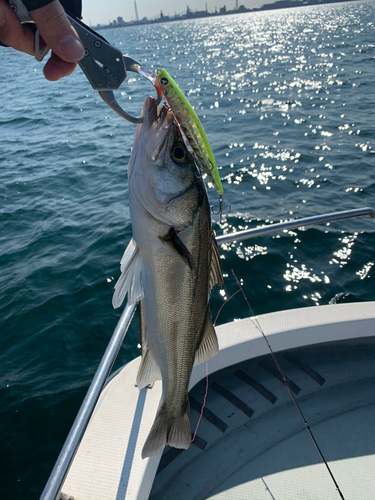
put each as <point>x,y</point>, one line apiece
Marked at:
<point>148,370</point>
<point>216,272</point>
<point>168,429</point>
<point>172,239</point>
<point>209,345</point>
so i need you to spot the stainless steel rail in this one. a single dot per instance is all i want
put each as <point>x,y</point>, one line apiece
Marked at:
<point>62,465</point>
<point>295,223</point>
<point>53,487</point>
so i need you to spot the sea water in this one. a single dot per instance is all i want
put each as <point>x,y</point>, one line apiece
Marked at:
<point>287,100</point>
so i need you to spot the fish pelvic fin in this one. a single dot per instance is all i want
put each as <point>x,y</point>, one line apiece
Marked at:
<point>209,345</point>
<point>168,429</point>
<point>148,371</point>
<point>134,280</point>
<point>216,272</point>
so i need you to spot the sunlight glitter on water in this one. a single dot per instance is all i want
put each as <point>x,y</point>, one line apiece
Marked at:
<point>285,99</point>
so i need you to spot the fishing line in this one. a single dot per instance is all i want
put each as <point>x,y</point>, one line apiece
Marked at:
<point>286,383</point>
<point>223,304</point>
<point>204,404</point>
<point>205,395</point>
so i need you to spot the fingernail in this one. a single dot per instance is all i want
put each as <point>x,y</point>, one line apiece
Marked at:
<point>71,48</point>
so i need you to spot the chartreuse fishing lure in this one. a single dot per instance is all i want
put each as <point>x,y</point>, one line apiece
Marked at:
<point>190,125</point>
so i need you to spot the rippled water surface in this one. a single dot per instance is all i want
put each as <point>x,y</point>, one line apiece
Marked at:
<point>287,100</point>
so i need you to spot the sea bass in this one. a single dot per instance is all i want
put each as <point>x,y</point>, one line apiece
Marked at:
<point>171,265</point>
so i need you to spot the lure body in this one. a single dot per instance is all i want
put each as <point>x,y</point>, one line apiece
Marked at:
<point>190,125</point>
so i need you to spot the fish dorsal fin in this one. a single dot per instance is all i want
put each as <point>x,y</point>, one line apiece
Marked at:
<point>172,239</point>
<point>216,272</point>
<point>148,371</point>
<point>134,279</point>
<point>209,345</point>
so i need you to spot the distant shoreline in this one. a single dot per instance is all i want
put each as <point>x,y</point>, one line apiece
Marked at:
<point>280,4</point>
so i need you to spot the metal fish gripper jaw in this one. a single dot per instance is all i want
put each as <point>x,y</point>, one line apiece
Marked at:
<point>109,97</point>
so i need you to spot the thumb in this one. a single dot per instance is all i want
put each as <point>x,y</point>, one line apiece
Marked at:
<point>57,32</point>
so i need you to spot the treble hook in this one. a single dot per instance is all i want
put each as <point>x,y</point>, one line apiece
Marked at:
<point>199,173</point>
<point>221,209</point>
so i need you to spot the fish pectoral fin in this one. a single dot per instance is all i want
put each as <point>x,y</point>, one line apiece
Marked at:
<point>172,239</point>
<point>209,345</point>
<point>128,256</point>
<point>148,371</point>
<point>142,324</point>
<point>168,429</point>
<point>216,272</point>
<point>134,279</point>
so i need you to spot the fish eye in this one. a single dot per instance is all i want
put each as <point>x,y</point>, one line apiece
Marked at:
<point>178,153</point>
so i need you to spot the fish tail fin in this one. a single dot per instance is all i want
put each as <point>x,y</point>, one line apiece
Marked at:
<point>168,429</point>
<point>179,435</point>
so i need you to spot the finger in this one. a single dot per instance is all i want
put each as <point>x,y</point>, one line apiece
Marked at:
<point>57,32</point>
<point>56,68</point>
<point>13,33</point>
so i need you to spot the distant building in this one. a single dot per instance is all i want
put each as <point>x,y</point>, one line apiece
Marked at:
<point>223,10</point>
<point>189,13</point>
<point>120,20</point>
<point>201,13</point>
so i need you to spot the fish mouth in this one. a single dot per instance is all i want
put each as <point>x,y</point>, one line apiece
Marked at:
<point>163,123</point>
<point>154,134</point>
<point>158,122</point>
<point>154,117</point>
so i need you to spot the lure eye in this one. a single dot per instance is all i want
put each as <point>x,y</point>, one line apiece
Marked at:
<point>178,153</point>
<point>164,81</point>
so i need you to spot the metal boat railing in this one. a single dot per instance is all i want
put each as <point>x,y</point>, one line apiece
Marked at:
<point>295,223</point>
<point>52,490</point>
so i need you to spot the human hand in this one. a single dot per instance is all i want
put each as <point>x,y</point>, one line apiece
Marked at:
<point>56,31</point>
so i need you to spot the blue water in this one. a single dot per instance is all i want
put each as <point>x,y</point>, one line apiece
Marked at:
<point>287,99</point>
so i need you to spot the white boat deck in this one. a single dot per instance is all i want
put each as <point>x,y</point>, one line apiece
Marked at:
<point>251,443</point>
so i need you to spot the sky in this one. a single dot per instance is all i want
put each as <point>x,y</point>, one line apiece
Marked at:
<point>99,12</point>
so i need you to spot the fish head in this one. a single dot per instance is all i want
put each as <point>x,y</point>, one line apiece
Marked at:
<point>163,177</point>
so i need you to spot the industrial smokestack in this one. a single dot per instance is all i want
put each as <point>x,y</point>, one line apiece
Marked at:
<point>136,11</point>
